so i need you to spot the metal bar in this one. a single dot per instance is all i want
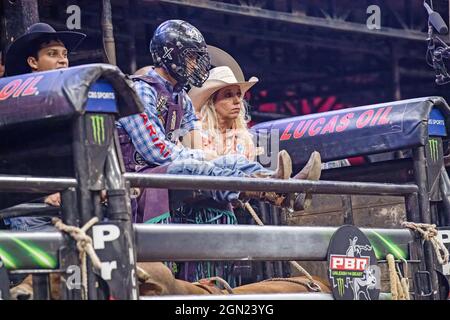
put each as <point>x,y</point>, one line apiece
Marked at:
<point>261,184</point>
<point>420,176</point>
<point>68,253</point>
<point>108,34</point>
<point>286,17</point>
<point>30,250</point>
<point>83,192</point>
<point>41,287</point>
<point>35,271</point>
<point>239,242</point>
<point>272,296</point>
<point>412,207</point>
<point>396,76</point>
<point>348,210</point>
<point>124,286</point>
<point>34,184</point>
<point>44,185</point>
<point>18,15</point>
<point>29,209</point>
<point>278,265</point>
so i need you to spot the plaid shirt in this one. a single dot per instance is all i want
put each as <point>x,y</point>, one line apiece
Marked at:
<point>148,133</point>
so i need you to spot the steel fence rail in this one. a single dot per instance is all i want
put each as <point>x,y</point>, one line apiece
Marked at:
<point>260,184</point>
<point>245,242</point>
<point>29,209</point>
<point>183,182</point>
<point>9,183</point>
<point>28,250</point>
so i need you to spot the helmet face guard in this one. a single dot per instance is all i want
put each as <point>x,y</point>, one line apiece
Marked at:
<point>197,65</point>
<point>180,49</point>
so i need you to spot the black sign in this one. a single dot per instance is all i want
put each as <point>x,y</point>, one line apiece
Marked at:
<point>352,266</point>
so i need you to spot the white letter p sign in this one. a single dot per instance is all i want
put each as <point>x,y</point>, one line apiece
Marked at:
<point>104,233</point>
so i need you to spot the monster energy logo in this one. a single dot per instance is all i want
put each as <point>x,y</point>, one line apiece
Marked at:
<point>340,284</point>
<point>98,129</point>
<point>434,151</point>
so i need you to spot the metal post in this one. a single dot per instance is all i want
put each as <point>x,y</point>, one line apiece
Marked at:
<point>267,265</point>
<point>396,73</point>
<point>348,210</point>
<point>18,15</point>
<point>41,286</point>
<point>278,266</point>
<point>133,13</point>
<point>412,207</point>
<point>68,254</point>
<point>85,207</point>
<point>108,34</point>
<point>415,248</point>
<point>420,176</point>
<point>124,284</point>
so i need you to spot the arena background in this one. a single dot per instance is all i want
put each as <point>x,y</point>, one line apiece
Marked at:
<point>310,55</point>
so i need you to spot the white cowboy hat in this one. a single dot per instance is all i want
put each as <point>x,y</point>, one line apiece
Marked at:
<point>219,77</point>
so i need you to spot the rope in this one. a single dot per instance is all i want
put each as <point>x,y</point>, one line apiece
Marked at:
<point>315,288</point>
<point>218,279</point>
<point>142,275</point>
<point>312,284</point>
<point>253,214</point>
<point>84,246</point>
<point>430,233</point>
<point>399,284</point>
<point>404,281</point>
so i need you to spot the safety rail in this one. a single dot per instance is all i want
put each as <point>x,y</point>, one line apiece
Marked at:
<point>212,243</point>
<point>216,243</point>
<point>180,182</point>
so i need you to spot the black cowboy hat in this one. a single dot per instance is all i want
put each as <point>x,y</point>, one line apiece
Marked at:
<point>19,50</point>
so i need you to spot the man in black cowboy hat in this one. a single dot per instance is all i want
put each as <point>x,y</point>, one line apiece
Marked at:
<point>41,48</point>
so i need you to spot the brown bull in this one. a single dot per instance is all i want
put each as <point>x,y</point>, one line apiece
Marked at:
<point>160,281</point>
<point>156,279</point>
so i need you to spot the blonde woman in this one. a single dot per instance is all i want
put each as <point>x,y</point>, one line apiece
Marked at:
<point>220,107</point>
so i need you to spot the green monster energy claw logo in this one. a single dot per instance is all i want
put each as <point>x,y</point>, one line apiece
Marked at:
<point>434,151</point>
<point>340,283</point>
<point>98,129</point>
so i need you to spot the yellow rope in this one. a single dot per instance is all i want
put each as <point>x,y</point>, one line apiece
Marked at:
<point>296,265</point>
<point>84,246</point>
<point>430,233</point>
<point>399,284</point>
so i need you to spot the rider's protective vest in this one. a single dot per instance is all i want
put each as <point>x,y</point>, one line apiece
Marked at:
<point>170,113</point>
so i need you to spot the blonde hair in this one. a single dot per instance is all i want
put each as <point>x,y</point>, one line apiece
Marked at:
<point>210,122</point>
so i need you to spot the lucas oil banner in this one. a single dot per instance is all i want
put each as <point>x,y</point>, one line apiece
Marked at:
<point>357,131</point>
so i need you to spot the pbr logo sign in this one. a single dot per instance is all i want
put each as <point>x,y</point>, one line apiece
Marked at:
<point>352,266</point>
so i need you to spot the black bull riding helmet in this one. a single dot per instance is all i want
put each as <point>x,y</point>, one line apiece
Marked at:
<point>180,49</point>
